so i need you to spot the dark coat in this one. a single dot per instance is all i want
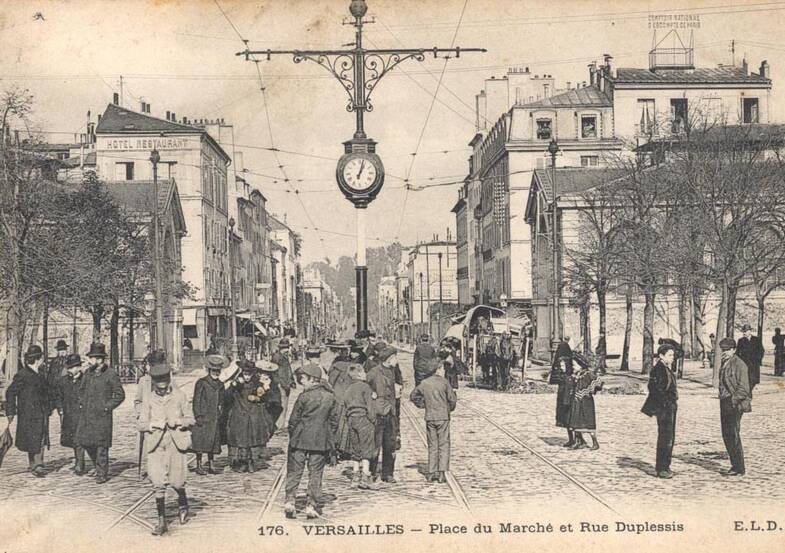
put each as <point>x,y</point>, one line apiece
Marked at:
<point>69,398</point>
<point>248,424</point>
<point>563,377</point>
<point>54,372</point>
<point>313,424</point>
<point>423,355</point>
<point>582,415</point>
<point>284,373</point>
<point>750,350</point>
<point>27,398</point>
<point>382,380</point>
<point>663,393</point>
<point>208,404</point>
<point>436,396</point>
<point>102,393</point>
<point>734,383</point>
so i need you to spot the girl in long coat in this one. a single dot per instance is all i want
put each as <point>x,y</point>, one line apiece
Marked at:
<point>582,415</point>
<point>208,404</point>
<point>561,374</point>
<point>69,397</point>
<point>247,426</point>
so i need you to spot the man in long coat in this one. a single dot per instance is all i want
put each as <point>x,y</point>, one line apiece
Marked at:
<point>382,379</point>
<point>208,404</point>
<point>284,378</point>
<point>102,393</point>
<point>662,402</point>
<point>69,391</point>
<point>735,392</point>
<point>424,354</point>
<point>56,367</point>
<point>28,398</point>
<point>750,350</point>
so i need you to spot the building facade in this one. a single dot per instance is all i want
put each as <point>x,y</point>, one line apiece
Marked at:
<point>433,294</point>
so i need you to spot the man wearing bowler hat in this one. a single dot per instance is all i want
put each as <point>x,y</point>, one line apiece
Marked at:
<point>28,396</point>
<point>750,350</point>
<point>166,420</point>
<point>69,389</point>
<point>57,367</point>
<point>735,400</point>
<point>102,393</point>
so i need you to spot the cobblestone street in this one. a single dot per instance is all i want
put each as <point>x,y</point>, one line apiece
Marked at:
<point>507,456</point>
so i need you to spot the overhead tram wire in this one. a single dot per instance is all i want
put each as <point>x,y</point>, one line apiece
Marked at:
<point>425,123</point>
<point>269,123</point>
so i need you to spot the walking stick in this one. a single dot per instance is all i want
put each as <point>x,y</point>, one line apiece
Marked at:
<point>141,451</point>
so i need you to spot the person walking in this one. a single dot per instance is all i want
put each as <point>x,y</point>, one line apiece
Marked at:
<point>424,353</point>
<point>582,418</point>
<point>779,352</point>
<point>313,425</point>
<point>361,420</point>
<point>382,379</point>
<point>505,360</point>
<point>208,405</point>
<point>69,390</point>
<point>284,378</point>
<point>437,397</point>
<point>28,400</point>
<point>166,420</point>
<point>102,393</point>
<point>339,379</point>
<point>735,390</point>
<point>750,350</point>
<point>662,402</point>
<point>247,426</point>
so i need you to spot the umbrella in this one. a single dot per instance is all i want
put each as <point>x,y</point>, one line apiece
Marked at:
<point>6,441</point>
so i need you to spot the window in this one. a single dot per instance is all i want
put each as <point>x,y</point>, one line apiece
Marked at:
<point>646,119</point>
<point>678,114</point>
<point>590,161</point>
<point>124,170</point>
<point>749,110</point>
<point>544,129</point>
<point>589,126</point>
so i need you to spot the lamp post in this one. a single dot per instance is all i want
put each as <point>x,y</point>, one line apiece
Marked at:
<point>158,338</point>
<point>553,149</point>
<point>233,314</point>
<point>360,173</point>
<point>422,317</point>
<point>439,255</point>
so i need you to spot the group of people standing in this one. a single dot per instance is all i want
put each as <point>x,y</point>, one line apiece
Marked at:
<point>84,394</point>
<point>496,356</point>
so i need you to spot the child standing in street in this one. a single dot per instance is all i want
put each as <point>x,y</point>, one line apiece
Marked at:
<point>436,396</point>
<point>361,419</point>
<point>313,425</point>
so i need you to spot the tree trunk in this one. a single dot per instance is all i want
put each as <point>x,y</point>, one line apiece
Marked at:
<point>131,334</point>
<point>730,321</point>
<point>699,324</point>
<point>14,343</point>
<point>37,314</point>
<point>114,323</point>
<point>625,351</point>
<point>602,349</point>
<point>761,313</point>
<point>721,325</point>
<point>583,322</point>
<point>97,312</point>
<point>45,328</point>
<point>648,333</point>
<point>684,331</point>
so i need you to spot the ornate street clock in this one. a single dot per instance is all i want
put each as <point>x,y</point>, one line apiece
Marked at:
<point>360,172</point>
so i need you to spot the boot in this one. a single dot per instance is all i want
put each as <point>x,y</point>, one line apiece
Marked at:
<point>356,480</point>
<point>210,468</point>
<point>199,469</point>
<point>595,445</point>
<point>161,528</point>
<point>182,504</point>
<point>365,482</point>
<point>289,509</point>
<point>442,478</point>
<point>251,466</point>
<point>571,440</point>
<point>310,512</point>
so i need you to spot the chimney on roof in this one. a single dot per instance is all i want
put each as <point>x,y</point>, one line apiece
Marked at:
<point>764,69</point>
<point>744,66</point>
<point>168,115</point>
<point>593,73</point>
<point>116,99</point>
<point>608,59</point>
<point>174,117</point>
<point>569,85</point>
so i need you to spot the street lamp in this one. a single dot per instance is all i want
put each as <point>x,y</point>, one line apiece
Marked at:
<point>158,338</point>
<point>553,149</point>
<point>422,317</point>
<point>233,314</point>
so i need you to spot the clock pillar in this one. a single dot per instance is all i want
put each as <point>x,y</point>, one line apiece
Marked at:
<point>361,271</point>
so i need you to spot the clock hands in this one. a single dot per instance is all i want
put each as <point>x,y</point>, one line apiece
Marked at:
<point>360,172</point>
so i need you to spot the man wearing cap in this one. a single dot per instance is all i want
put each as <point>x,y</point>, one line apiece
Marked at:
<point>424,353</point>
<point>208,404</point>
<point>28,398</point>
<point>68,390</point>
<point>381,378</point>
<point>283,377</point>
<point>662,402</point>
<point>735,400</point>
<point>312,429</point>
<point>750,350</point>
<point>166,420</point>
<point>102,393</point>
<point>361,420</point>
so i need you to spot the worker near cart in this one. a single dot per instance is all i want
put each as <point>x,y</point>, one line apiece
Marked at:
<point>28,400</point>
<point>208,405</point>
<point>102,393</point>
<point>166,420</point>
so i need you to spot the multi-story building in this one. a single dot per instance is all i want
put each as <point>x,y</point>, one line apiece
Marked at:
<point>386,307</point>
<point>287,262</point>
<point>432,273</point>
<point>323,312</point>
<point>199,165</point>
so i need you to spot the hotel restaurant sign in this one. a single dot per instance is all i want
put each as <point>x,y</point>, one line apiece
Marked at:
<point>146,143</point>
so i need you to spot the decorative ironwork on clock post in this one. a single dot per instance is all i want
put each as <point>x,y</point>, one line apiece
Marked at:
<point>360,172</point>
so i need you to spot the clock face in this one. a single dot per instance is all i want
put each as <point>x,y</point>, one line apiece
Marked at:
<point>359,173</point>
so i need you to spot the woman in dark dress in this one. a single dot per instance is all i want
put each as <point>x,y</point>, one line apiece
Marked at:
<point>582,416</point>
<point>69,392</point>
<point>247,426</point>
<point>208,404</point>
<point>561,374</point>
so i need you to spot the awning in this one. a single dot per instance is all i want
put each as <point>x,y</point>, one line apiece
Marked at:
<point>216,312</point>
<point>189,317</point>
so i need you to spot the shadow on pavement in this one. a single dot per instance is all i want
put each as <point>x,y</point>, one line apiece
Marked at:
<point>630,463</point>
<point>704,463</point>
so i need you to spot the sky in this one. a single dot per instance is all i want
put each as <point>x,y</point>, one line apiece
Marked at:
<point>179,56</point>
